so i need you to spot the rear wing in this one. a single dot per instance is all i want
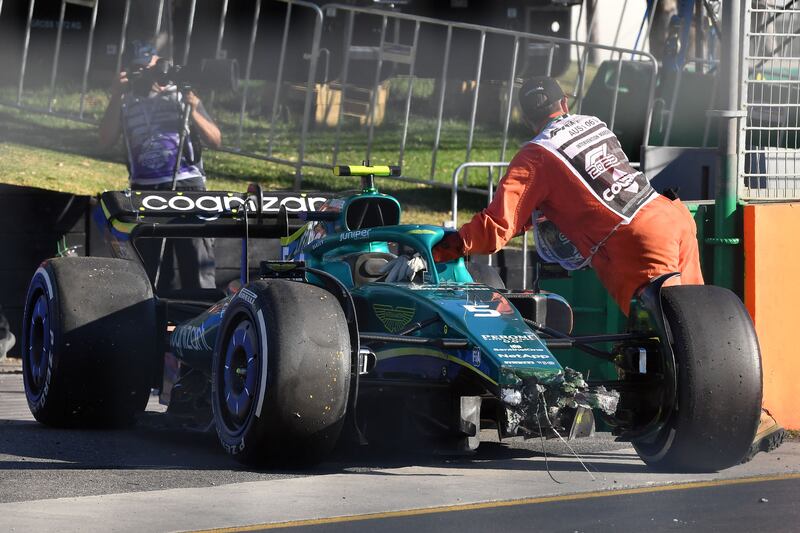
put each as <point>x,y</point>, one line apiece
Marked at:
<point>219,214</point>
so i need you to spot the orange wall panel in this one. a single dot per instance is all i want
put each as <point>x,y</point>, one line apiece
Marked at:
<point>772,295</point>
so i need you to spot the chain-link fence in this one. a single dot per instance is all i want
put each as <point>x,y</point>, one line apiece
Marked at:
<point>769,140</point>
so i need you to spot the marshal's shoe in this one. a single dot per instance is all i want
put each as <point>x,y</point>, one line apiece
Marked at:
<point>768,437</point>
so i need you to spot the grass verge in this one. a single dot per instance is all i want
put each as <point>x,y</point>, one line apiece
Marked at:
<point>56,153</point>
<point>60,154</point>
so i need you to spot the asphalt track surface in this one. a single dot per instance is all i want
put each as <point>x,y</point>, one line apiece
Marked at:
<point>688,507</point>
<point>155,477</point>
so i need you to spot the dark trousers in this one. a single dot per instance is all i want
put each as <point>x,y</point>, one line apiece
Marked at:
<point>187,263</point>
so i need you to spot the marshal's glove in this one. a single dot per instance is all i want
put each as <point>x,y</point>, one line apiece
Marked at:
<point>404,268</point>
<point>451,247</point>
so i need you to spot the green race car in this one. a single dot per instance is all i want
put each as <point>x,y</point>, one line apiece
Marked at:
<point>314,347</point>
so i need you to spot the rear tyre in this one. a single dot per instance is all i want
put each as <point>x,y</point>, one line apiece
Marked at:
<point>281,374</point>
<point>89,341</point>
<point>718,378</point>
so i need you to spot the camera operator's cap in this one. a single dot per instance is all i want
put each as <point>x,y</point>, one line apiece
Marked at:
<point>537,95</point>
<point>140,53</point>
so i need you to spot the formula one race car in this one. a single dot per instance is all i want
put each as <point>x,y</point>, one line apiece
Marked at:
<point>316,347</point>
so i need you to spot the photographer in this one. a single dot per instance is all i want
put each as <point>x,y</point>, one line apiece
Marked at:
<point>147,107</point>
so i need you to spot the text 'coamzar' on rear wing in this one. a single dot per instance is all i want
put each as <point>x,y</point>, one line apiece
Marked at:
<point>255,214</point>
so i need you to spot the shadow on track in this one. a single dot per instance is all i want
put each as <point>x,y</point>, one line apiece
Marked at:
<point>154,443</point>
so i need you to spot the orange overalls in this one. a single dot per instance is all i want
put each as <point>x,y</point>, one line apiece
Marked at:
<point>576,175</point>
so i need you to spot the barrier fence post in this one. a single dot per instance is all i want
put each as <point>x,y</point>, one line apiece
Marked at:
<point>525,261</point>
<point>88,58</point>
<point>672,104</point>
<point>509,98</point>
<point>374,97</point>
<point>159,18</point>
<point>279,77</point>
<point>123,34</point>
<point>454,196</point>
<point>221,29</point>
<point>474,112</point>
<point>583,60</point>
<point>650,14</point>
<point>550,55</point>
<point>247,70</point>
<point>312,75</point>
<point>411,68</point>
<point>490,191</point>
<point>616,94</point>
<point>189,29</point>
<point>648,117</point>
<point>442,90</point>
<point>56,53</point>
<point>348,41</point>
<point>25,46</point>
<point>619,27</point>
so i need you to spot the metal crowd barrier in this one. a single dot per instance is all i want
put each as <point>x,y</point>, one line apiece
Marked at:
<point>769,138</point>
<point>93,5</point>
<point>398,46</point>
<point>512,54</point>
<point>313,58</point>
<point>493,169</point>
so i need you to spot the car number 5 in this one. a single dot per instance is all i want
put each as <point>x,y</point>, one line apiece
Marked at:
<point>481,311</point>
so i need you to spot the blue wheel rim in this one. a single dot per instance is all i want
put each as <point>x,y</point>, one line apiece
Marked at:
<point>240,371</point>
<point>39,344</point>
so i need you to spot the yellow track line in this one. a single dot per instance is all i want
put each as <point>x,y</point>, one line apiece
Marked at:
<point>505,503</point>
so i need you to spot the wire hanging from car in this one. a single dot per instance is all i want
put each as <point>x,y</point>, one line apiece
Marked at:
<point>562,439</point>
<point>544,451</point>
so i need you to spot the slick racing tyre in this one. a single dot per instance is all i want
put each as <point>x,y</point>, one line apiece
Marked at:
<point>718,382</point>
<point>281,374</point>
<point>89,341</point>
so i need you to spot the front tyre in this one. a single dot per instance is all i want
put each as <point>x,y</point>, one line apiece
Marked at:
<point>719,382</point>
<point>281,373</point>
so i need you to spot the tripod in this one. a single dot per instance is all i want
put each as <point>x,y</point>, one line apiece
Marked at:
<point>186,109</point>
